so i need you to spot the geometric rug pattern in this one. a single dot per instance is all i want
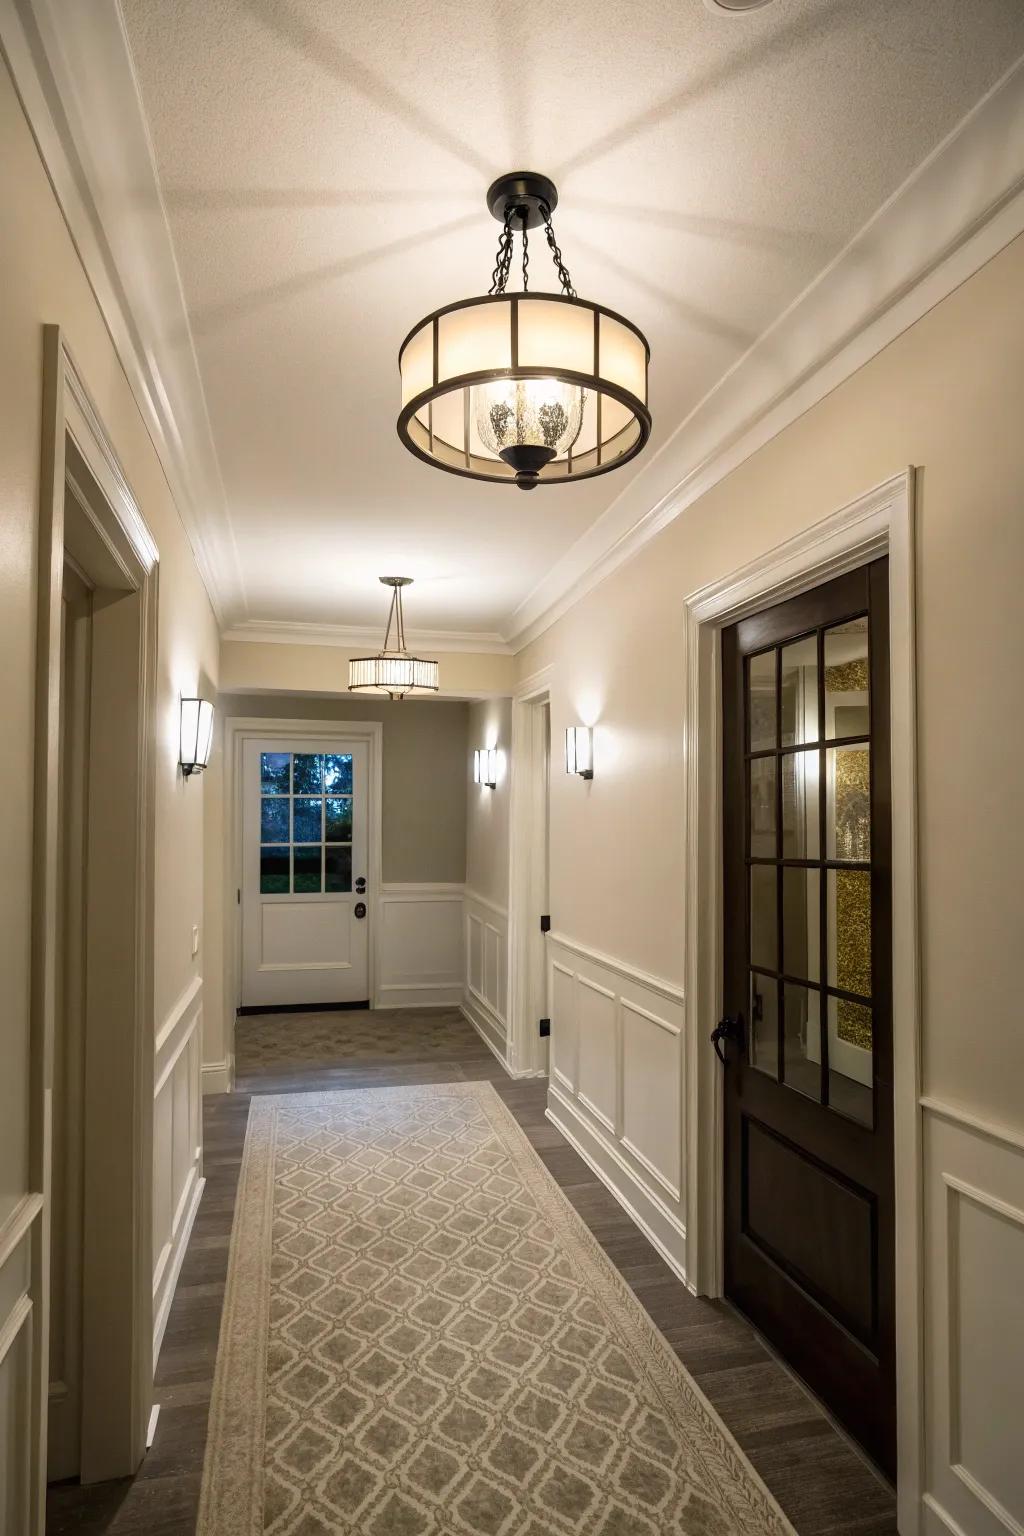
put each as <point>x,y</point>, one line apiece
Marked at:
<point>346,1036</point>
<point>420,1336</point>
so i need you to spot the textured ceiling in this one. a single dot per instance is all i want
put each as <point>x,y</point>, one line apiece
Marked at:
<point>323,167</point>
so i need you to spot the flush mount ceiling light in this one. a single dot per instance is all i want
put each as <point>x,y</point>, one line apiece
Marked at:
<point>393,671</point>
<point>524,388</point>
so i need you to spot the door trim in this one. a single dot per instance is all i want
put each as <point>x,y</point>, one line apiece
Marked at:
<point>522,1048</point>
<point>237,731</point>
<point>80,462</point>
<point>881,522</point>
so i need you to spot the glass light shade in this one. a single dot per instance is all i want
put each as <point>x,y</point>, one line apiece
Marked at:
<point>527,389</point>
<point>541,413</point>
<point>485,767</point>
<point>196,735</point>
<point>394,673</point>
<point>579,751</point>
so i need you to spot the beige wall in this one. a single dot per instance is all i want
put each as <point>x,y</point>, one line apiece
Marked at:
<point>44,282</point>
<point>945,397</point>
<point>490,725</point>
<point>251,665</point>
<point>423,828</point>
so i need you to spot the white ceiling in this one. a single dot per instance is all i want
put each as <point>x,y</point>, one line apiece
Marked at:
<point>323,169</point>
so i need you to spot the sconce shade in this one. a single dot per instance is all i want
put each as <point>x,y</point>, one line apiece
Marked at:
<point>196,735</point>
<point>485,767</point>
<point>579,751</point>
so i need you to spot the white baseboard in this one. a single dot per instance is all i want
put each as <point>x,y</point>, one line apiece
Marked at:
<point>171,1269</point>
<point>657,1223</point>
<point>486,1024</point>
<point>217,1076</point>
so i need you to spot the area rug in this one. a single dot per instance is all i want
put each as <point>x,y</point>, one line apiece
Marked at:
<point>421,1336</point>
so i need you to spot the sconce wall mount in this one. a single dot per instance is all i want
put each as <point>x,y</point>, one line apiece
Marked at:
<point>579,751</point>
<point>485,767</point>
<point>196,738</point>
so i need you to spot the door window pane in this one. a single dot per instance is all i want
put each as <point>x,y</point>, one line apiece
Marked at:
<point>273,871</point>
<point>800,691</point>
<point>762,807</point>
<point>338,773</point>
<point>307,820</point>
<point>849,922</point>
<point>338,867</point>
<point>848,803</point>
<point>801,923</point>
<point>338,824</point>
<point>274,820</point>
<point>308,773</point>
<point>761,701</point>
<point>763,917</point>
<point>307,869</point>
<point>763,1044</point>
<point>275,773</point>
<point>800,838</point>
<point>802,1044</point>
<point>850,1059</point>
<point>847,680</point>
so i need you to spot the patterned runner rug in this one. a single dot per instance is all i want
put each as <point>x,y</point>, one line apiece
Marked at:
<point>421,1336</point>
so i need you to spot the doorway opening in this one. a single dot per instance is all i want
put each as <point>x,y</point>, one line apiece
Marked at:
<point>529,880</point>
<point>92,954</point>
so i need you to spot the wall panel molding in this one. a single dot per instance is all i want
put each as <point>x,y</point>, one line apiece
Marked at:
<point>419,945</point>
<point>177,1146</point>
<point>485,977</point>
<point>616,1084</point>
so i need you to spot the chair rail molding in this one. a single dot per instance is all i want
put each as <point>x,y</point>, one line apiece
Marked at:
<point>881,522</point>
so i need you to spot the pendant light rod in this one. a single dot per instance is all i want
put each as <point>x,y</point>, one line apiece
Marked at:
<point>393,670</point>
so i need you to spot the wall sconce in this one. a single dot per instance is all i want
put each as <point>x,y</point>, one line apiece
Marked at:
<point>579,751</point>
<point>196,735</point>
<point>485,767</point>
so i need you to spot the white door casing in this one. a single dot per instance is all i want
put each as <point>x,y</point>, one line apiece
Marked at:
<point>303,943</point>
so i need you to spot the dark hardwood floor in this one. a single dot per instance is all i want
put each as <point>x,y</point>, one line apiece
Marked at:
<point>821,1482</point>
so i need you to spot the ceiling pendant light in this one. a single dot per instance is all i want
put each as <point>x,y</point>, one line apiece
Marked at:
<point>393,671</point>
<point>524,388</point>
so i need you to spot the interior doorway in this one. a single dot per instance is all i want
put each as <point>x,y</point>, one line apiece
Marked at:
<point>529,880</point>
<point>807,1027</point>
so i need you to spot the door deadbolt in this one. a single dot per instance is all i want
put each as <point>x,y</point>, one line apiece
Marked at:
<point>360,909</point>
<point>361,884</point>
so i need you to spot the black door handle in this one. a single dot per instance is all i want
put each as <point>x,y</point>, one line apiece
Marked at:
<point>729,1028</point>
<point>361,884</point>
<point>360,909</point>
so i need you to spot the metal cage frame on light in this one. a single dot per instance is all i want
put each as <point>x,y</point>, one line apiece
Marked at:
<point>393,670</point>
<point>524,199</point>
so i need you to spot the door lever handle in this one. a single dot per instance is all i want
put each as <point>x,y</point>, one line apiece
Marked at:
<point>729,1028</point>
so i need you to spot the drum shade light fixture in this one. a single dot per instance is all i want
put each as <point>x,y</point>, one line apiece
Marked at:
<point>525,388</point>
<point>393,671</point>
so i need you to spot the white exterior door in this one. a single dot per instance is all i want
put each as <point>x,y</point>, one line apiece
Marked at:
<point>305,906</point>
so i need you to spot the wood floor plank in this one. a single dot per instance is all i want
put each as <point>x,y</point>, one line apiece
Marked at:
<point>823,1484</point>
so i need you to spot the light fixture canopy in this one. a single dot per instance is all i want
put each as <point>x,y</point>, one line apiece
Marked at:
<point>524,388</point>
<point>579,751</point>
<point>485,767</point>
<point>195,735</point>
<point>393,670</point>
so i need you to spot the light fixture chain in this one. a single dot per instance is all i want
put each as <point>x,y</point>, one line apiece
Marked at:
<point>503,260</point>
<point>556,254</point>
<point>526,254</point>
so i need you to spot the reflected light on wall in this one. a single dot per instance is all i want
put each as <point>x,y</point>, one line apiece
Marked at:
<point>579,751</point>
<point>196,735</point>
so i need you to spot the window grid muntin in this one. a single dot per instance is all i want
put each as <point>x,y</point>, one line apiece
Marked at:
<point>324,843</point>
<point>822,744</point>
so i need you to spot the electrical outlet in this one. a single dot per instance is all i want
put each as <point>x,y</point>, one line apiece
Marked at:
<point>195,941</point>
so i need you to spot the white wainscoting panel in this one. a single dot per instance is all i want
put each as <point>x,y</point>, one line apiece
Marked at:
<point>16,1342</point>
<point>485,995</point>
<point>616,1083</point>
<point>177,1146</point>
<point>419,946</point>
<point>974,1334</point>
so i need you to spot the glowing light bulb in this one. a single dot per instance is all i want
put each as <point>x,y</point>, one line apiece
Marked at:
<point>528,422</point>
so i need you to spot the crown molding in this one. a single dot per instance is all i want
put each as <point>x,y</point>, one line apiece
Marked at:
<point>73,72</point>
<point>354,637</point>
<point>956,211</point>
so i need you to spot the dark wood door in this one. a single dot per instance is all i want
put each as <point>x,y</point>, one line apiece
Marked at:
<point>807,950</point>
